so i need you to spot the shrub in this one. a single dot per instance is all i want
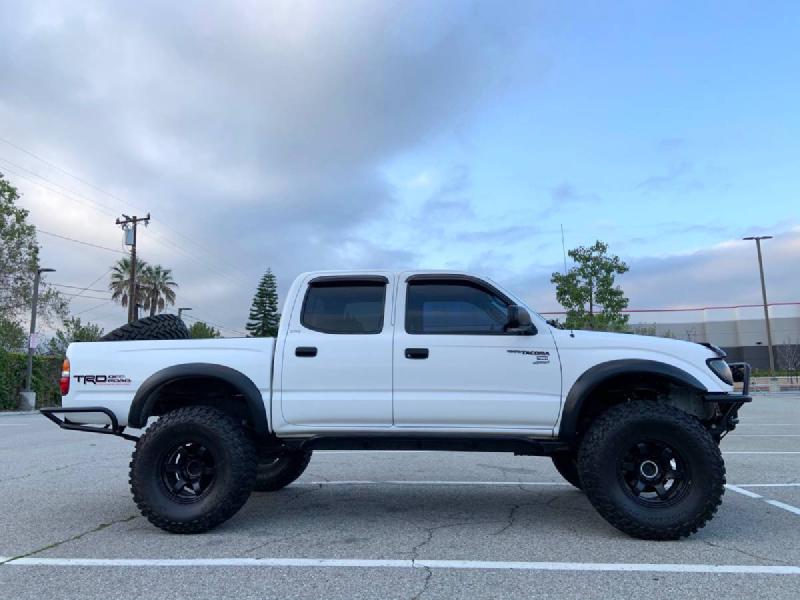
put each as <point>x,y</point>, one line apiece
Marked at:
<point>45,375</point>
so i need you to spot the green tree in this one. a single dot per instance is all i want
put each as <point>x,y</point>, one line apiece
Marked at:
<point>121,281</point>
<point>159,288</point>
<point>588,292</point>
<point>12,336</point>
<point>200,330</point>
<point>19,260</point>
<point>264,315</point>
<point>72,331</point>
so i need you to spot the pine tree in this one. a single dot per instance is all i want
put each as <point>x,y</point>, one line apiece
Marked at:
<point>264,315</point>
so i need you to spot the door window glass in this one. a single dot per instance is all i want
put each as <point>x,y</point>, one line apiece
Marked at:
<point>344,307</point>
<point>454,307</point>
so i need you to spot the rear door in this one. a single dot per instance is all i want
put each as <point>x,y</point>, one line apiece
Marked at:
<point>456,367</point>
<point>337,356</point>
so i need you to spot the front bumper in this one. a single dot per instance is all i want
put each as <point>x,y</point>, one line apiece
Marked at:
<point>726,413</point>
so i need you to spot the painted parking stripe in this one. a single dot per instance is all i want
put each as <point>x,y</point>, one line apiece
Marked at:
<point>508,483</point>
<point>404,564</point>
<point>761,452</point>
<point>768,485</point>
<point>434,482</point>
<point>782,505</point>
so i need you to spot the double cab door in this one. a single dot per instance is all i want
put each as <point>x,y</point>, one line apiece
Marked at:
<point>417,352</point>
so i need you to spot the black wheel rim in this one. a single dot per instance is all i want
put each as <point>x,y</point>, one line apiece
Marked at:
<point>188,471</point>
<point>655,474</point>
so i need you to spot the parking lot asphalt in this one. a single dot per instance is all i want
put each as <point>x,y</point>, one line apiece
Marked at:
<point>391,525</point>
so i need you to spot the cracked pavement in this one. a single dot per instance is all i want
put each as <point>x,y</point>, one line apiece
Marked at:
<point>65,494</point>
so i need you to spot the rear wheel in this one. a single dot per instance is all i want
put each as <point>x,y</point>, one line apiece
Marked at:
<point>652,470</point>
<point>566,463</point>
<point>274,473</point>
<point>193,469</point>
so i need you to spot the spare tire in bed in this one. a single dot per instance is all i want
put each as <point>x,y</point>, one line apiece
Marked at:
<point>157,327</point>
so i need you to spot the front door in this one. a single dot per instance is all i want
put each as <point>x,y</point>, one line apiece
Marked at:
<point>456,367</point>
<point>337,357</point>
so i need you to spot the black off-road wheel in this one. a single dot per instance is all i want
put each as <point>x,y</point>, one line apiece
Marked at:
<point>652,470</point>
<point>274,473</point>
<point>193,469</point>
<point>158,327</point>
<point>566,463</point>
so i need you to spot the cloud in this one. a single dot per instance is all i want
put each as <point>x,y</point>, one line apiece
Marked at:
<point>723,275</point>
<point>258,131</point>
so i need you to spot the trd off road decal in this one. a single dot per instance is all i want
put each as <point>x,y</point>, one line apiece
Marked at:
<point>542,356</point>
<point>103,379</point>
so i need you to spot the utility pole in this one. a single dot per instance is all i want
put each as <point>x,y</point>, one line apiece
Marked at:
<point>129,225</point>
<point>764,298</point>
<point>31,338</point>
<point>181,309</point>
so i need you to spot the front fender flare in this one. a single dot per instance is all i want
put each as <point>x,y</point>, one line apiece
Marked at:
<point>592,378</point>
<point>147,394</point>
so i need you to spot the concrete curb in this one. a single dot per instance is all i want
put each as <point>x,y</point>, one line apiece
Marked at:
<point>11,413</point>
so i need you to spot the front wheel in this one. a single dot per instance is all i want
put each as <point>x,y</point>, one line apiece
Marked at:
<point>651,470</point>
<point>193,469</point>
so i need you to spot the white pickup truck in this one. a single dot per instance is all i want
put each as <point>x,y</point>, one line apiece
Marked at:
<point>372,360</point>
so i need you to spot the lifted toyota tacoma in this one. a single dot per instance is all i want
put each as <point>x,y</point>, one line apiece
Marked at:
<point>378,360</point>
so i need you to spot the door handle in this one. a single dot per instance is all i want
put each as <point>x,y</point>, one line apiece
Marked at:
<point>416,353</point>
<point>305,351</point>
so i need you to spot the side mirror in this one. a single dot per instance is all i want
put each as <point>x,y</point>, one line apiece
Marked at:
<point>519,321</point>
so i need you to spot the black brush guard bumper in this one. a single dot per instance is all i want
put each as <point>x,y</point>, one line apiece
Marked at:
<point>114,428</point>
<point>729,403</point>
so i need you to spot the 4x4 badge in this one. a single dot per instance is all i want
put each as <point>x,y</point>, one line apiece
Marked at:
<point>542,356</point>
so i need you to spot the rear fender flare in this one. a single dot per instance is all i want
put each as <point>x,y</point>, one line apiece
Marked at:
<point>147,394</point>
<point>592,378</point>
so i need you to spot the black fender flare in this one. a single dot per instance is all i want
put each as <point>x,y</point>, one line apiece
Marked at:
<point>596,375</point>
<point>146,395</point>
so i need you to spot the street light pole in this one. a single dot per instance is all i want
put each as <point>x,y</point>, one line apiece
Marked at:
<point>181,309</point>
<point>764,298</point>
<point>29,372</point>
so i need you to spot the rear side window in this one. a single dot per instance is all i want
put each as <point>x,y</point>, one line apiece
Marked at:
<point>344,307</point>
<point>454,308</point>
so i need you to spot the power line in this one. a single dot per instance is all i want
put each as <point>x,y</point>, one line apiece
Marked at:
<point>76,287</point>
<point>92,308</point>
<point>69,239</point>
<point>690,309</point>
<point>175,232</point>
<point>218,326</point>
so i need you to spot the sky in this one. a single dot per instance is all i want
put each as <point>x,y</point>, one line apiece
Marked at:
<point>325,135</point>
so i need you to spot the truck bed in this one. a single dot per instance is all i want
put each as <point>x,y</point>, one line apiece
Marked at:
<point>109,373</point>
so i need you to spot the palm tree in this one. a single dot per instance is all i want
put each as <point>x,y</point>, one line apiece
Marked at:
<point>158,288</point>
<point>121,281</point>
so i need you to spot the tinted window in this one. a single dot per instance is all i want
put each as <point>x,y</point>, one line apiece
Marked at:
<point>346,307</point>
<point>454,307</point>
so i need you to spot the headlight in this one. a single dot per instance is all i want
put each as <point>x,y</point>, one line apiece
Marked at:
<point>721,369</point>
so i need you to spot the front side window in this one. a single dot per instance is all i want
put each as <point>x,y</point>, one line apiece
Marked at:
<point>344,307</point>
<point>454,307</point>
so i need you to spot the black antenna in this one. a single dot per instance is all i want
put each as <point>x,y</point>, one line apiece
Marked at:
<point>564,250</point>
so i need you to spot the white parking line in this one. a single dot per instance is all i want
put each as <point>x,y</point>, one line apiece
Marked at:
<point>404,564</point>
<point>739,435</point>
<point>775,503</point>
<point>433,482</point>
<point>761,452</point>
<point>767,485</point>
<point>784,506</point>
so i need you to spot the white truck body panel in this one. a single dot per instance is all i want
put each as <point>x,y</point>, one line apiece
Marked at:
<point>362,383</point>
<point>134,362</point>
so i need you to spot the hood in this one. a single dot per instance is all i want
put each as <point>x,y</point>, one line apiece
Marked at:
<point>688,351</point>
